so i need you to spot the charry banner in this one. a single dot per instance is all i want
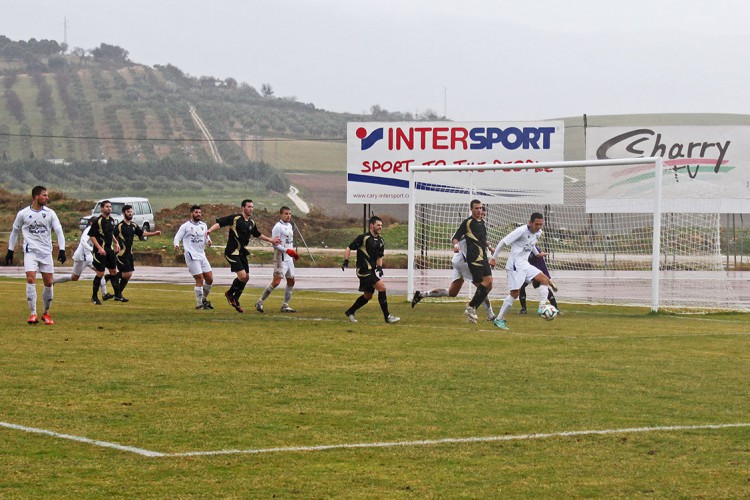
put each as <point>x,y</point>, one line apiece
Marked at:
<point>706,169</point>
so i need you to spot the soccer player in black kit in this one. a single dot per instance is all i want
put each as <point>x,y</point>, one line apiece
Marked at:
<point>105,251</point>
<point>125,231</point>
<point>241,227</point>
<point>370,248</point>
<point>475,233</point>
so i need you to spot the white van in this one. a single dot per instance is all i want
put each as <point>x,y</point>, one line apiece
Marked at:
<point>143,214</point>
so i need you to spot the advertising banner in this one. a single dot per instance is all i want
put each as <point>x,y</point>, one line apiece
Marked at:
<point>706,169</point>
<point>380,154</point>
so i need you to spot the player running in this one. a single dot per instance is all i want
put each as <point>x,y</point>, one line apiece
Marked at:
<point>370,249</point>
<point>522,242</point>
<point>36,223</point>
<point>241,227</point>
<point>284,256</point>
<point>83,258</point>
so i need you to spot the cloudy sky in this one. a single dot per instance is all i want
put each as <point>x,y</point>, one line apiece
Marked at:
<point>474,59</point>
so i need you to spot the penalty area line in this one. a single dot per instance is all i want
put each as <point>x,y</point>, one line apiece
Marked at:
<point>80,439</point>
<point>429,442</point>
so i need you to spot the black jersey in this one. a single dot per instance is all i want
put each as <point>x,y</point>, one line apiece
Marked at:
<point>240,231</point>
<point>125,234</point>
<point>475,233</point>
<point>369,249</point>
<point>102,229</point>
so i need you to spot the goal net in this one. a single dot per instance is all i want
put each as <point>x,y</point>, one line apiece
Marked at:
<point>620,232</point>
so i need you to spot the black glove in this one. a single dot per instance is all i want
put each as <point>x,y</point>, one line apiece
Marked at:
<point>379,270</point>
<point>345,264</point>
<point>9,258</point>
<point>61,257</point>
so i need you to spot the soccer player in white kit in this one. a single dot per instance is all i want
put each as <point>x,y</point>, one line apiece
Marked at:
<point>522,242</point>
<point>283,261</point>
<point>194,237</point>
<point>36,223</point>
<point>83,258</point>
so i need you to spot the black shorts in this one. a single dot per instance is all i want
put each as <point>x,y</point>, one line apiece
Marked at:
<point>238,263</point>
<point>107,261</point>
<point>367,282</point>
<point>478,272</point>
<point>125,263</point>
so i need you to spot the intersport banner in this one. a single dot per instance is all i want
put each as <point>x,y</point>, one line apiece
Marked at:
<point>379,156</point>
<point>706,169</point>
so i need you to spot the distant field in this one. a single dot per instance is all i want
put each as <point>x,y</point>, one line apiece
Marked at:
<point>167,401</point>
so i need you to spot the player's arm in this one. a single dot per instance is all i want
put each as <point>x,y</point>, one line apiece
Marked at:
<point>276,233</point>
<point>13,239</point>
<point>178,237</point>
<point>57,227</point>
<point>94,235</point>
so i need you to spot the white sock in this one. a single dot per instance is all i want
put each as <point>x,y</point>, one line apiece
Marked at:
<point>60,279</point>
<point>438,292</point>
<point>266,292</point>
<point>47,295</point>
<point>288,295</point>
<point>507,304</point>
<point>488,308</point>
<point>31,297</point>
<point>103,287</point>
<point>198,295</point>
<point>543,294</point>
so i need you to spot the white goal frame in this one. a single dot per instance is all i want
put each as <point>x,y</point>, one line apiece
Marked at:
<point>657,211</point>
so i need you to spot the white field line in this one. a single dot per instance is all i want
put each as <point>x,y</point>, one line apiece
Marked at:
<point>387,444</point>
<point>80,439</point>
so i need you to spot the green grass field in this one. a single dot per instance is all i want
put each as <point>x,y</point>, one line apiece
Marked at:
<point>157,375</point>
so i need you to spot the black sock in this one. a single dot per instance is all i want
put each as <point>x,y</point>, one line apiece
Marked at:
<point>552,299</point>
<point>383,300</point>
<point>239,287</point>
<point>361,301</point>
<point>115,284</point>
<point>97,284</point>
<point>479,296</point>
<point>123,283</point>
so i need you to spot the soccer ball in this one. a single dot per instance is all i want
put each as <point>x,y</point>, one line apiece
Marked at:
<point>548,312</point>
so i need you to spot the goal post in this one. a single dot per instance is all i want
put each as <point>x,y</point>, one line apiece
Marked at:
<point>618,231</point>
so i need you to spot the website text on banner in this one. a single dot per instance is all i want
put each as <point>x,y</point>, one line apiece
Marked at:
<point>380,154</point>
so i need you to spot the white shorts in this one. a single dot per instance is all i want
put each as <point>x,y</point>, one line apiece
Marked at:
<point>197,266</point>
<point>80,265</point>
<point>517,278</point>
<point>283,266</point>
<point>36,262</point>
<point>461,271</point>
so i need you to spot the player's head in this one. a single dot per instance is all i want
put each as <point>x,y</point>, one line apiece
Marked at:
<point>285,213</point>
<point>127,212</point>
<point>376,225</point>
<point>196,213</point>
<point>484,211</point>
<point>39,195</point>
<point>247,207</point>
<point>536,221</point>
<point>476,209</point>
<point>106,207</point>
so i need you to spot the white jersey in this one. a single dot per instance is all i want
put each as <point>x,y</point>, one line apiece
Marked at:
<point>285,231</point>
<point>85,247</point>
<point>460,256</point>
<point>194,239</point>
<point>522,242</point>
<point>36,227</point>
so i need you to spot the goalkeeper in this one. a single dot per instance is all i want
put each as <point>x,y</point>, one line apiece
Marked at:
<point>370,249</point>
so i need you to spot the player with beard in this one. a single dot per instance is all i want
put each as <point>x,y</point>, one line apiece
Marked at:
<point>125,231</point>
<point>105,251</point>
<point>192,233</point>
<point>36,224</point>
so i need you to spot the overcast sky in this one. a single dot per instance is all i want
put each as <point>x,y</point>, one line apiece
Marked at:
<point>476,59</point>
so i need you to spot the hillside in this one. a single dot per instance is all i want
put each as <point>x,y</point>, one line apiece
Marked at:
<point>97,105</point>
